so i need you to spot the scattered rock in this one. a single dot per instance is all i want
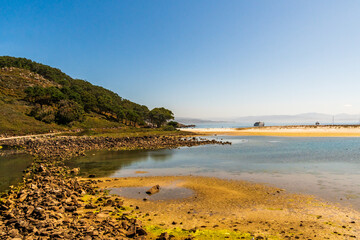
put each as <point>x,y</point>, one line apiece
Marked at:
<point>163,236</point>
<point>153,190</point>
<point>75,171</point>
<point>14,233</point>
<point>90,206</point>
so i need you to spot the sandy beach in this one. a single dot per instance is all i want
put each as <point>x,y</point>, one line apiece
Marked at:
<point>219,205</point>
<point>283,131</point>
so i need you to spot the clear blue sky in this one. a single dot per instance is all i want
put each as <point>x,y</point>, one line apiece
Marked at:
<point>201,59</point>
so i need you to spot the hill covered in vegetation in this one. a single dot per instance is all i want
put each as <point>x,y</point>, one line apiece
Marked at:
<point>38,98</point>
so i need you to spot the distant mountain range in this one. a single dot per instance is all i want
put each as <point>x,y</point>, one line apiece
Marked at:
<point>184,120</point>
<point>304,118</point>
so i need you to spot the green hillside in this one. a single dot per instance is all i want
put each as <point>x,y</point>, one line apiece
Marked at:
<point>37,98</point>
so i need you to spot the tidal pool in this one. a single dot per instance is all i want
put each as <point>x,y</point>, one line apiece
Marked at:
<point>170,192</point>
<point>11,168</point>
<point>325,167</point>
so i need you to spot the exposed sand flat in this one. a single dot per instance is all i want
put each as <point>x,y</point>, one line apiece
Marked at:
<point>242,206</point>
<point>285,131</point>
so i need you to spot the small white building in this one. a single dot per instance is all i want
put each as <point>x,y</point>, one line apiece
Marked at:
<point>259,124</point>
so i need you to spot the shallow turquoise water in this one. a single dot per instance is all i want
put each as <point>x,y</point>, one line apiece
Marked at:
<point>325,167</point>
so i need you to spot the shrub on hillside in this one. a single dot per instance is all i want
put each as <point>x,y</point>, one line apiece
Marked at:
<point>173,123</point>
<point>168,128</point>
<point>69,111</point>
<point>43,113</point>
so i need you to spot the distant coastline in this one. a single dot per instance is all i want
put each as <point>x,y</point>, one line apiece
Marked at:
<point>285,131</point>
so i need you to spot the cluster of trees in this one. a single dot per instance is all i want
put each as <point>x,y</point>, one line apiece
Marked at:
<point>74,97</point>
<point>67,104</point>
<point>158,116</point>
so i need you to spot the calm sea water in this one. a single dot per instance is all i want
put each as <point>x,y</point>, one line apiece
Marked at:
<point>325,167</point>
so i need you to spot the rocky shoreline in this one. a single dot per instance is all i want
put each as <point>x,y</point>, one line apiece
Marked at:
<point>65,147</point>
<point>51,203</point>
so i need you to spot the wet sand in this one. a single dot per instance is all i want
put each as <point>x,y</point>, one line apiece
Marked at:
<point>241,207</point>
<point>283,131</point>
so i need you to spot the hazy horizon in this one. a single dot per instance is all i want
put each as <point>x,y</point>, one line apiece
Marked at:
<point>201,59</point>
<point>284,118</point>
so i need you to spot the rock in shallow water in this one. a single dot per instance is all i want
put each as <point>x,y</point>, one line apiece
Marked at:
<point>153,190</point>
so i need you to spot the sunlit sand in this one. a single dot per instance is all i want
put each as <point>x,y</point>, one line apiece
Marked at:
<point>240,206</point>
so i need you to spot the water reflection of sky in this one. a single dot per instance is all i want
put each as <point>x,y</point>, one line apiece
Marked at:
<point>327,167</point>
